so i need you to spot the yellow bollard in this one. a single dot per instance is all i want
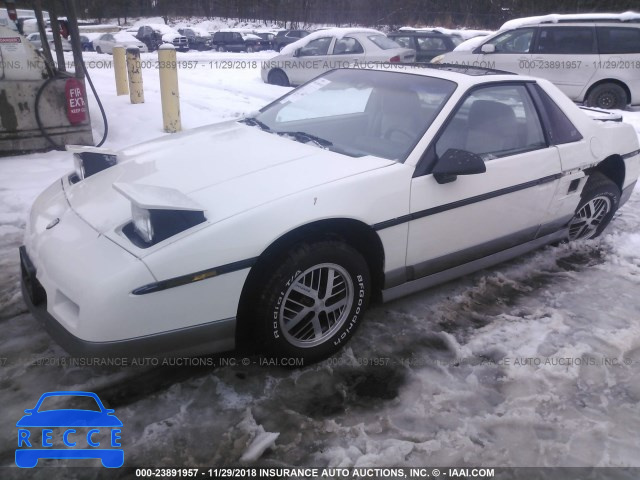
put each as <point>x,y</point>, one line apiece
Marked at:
<point>134,68</point>
<point>169,88</point>
<point>120,69</point>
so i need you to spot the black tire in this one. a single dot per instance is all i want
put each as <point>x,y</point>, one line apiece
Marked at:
<point>608,96</point>
<point>98,50</point>
<point>599,202</point>
<point>250,49</point>
<point>221,48</point>
<point>318,277</point>
<point>278,77</point>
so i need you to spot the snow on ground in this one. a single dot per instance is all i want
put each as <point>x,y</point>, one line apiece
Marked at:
<point>531,363</point>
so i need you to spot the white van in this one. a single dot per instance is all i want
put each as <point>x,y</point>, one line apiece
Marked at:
<point>592,58</point>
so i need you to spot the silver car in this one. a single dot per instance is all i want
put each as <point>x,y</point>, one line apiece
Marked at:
<point>331,48</point>
<point>592,58</point>
<point>36,41</point>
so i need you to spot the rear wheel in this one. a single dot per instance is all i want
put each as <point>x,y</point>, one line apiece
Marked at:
<point>250,49</point>
<point>278,77</point>
<point>313,302</point>
<point>600,199</point>
<point>608,96</point>
<point>98,50</point>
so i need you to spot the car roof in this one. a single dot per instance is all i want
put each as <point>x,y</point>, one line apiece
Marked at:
<point>589,18</point>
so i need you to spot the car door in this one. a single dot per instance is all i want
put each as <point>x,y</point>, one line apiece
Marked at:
<point>565,55</point>
<point>311,60</point>
<point>346,52</point>
<point>478,215</point>
<point>512,51</point>
<point>430,46</point>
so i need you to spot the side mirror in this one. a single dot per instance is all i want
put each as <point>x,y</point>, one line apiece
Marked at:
<point>456,162</point>
<point>488,48</point>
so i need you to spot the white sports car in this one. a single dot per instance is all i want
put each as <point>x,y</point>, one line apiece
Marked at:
<point>281,227</point>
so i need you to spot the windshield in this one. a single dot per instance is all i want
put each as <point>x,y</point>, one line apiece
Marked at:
<point>69,402</point>
<point>359,112</point>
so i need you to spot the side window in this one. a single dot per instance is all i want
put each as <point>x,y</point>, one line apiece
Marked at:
<point>405,42</point>
<point>514,41</point>
<point>347,46</point>
<point>618,40</point>
<point>494,121</point>
<point>319,46</point>
<point>561,130</point>
<point>431,44</point>
<point>567,40</point>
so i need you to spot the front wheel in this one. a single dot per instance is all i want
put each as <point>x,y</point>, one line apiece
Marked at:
<point>278,77</point>
<point>314,301</point>
<point>600,199</point>
<point>608,96</point>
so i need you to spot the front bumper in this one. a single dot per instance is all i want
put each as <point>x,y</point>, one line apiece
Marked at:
<point>212,337</point>
<point>79,284</point>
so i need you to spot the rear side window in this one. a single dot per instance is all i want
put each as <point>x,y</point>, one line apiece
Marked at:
<point>561,130</point>
<point>431,44</point>
<point>567,40</point>
<point>618,40</point>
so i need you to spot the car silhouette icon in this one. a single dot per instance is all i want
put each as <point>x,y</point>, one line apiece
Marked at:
<point>52,430</point>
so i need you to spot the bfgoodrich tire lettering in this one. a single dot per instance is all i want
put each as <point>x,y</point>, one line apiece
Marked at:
<point>314,301</point>
<point>599,202</point>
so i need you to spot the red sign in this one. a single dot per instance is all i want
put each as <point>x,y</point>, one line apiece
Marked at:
<point>76,106</point>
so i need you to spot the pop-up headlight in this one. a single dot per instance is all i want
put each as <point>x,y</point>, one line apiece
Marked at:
<point>91,160</point>
<point>158,213</point>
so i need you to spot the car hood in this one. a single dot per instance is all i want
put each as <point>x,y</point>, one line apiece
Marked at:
<point>69,418</point>
<point>226,168</point>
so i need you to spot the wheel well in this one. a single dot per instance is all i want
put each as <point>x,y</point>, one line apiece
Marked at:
<point>612,167</point>
<point>356,234</point>
<point>274,70</point>
<point>609,80</point>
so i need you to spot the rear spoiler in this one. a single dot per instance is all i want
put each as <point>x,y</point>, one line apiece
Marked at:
<point>602,115</point>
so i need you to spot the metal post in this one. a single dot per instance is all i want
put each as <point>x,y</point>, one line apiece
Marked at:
<point>169,88</point>
<point>74,33</point>
<point>46,50</point>
<point>134,68</point>
<point>55,28</point>
<point>120,69</point>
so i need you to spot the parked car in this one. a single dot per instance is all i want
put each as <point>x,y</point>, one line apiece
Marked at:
<point>428,44</point>
<point>155,34</point>
<point>198,38</point>
<point>269,37</point>
<point>362,184</point>
<point>592,58</point>
<point>78,419</point>
<point>235,41</point>
<point>36,40</point>
<point>325,49</point>
<point>87,43</point>
<point>285,37</point>
<point>105,42</point>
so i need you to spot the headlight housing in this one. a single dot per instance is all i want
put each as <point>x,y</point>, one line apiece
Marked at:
<point>90,160</point>
<point>158,213</point>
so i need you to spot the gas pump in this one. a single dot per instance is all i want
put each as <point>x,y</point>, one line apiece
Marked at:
<point>42,104</point>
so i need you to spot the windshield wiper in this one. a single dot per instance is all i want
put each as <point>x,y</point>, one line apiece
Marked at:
<point>252,121</point>
<point>307,137</point>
